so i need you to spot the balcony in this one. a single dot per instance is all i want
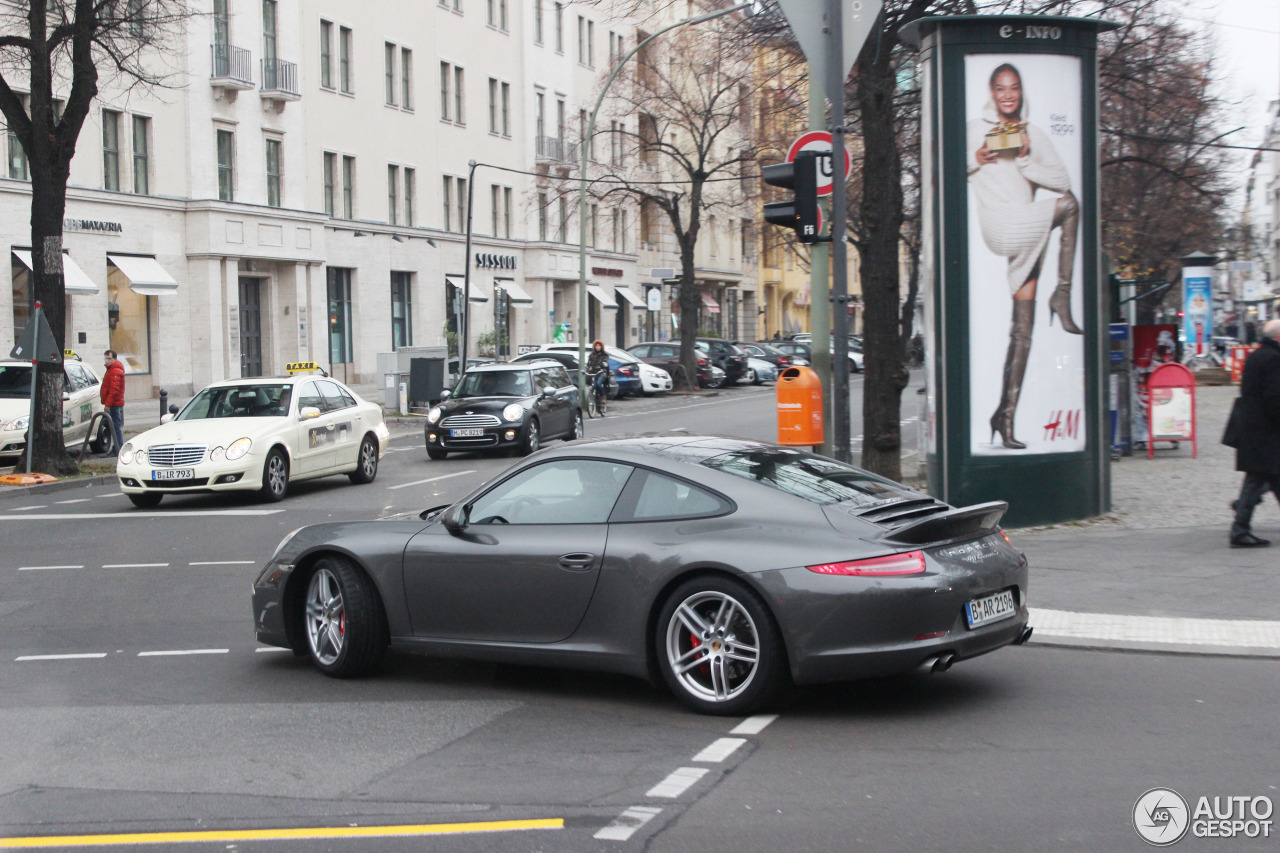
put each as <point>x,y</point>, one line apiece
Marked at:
<point>232,67</point>
<point>556,150</point>
<point>279,80</point>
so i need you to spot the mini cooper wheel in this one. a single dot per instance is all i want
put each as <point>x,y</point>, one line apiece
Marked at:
<point>436,453</point>
<point>345,630</point>
<point>275,476</point>
<point>577,432</point>
<point>532,438</point>
<point>146,500</point>
<point>718,648</point>
<point>366,462</point>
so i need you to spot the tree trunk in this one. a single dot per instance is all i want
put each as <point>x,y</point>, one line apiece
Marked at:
<point>690,297</point>
<point>886,377</point>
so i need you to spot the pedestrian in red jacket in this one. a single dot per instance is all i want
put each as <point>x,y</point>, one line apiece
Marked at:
<point>112,394</point>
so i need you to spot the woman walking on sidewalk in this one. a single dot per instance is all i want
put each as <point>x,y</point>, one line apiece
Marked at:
<point>1258,430</point>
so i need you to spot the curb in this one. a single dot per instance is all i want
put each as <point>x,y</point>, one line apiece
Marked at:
<point>60,486</point>
<point>1133,647</point>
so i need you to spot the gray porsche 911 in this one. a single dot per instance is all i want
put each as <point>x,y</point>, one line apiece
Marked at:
<point>724,567</point>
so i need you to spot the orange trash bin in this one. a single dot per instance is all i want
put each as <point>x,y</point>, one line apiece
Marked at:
<point>799,407</point>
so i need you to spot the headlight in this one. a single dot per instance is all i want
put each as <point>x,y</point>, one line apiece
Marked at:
<point>216,454</point>
<point>238,448</point>
<point>16,423</point>
<point>126,453</point>
<point>514,412</point>
<point>433,415</point>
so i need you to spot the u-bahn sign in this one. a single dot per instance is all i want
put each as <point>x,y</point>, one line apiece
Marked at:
<point>820,141</point>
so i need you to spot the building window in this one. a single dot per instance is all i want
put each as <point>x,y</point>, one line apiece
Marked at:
<point>406,78</point>
<point>393,194</point>
<point>622,247</point>
<point>129,321</point>
<point>330,180</point>
<point>344,59</point>
<point>110,150</point>
<point>648,222</point>
<point>19,169</point>
<point>540,115</point>
<point>502,15</point>
<point>326,54</point>
<point>463,201</point>
<point>560,121</point>
<point>537,21</point>
<point>615,143</point>
<point>588,139</point>
<point>221,28</point>
<point>493,105</point>
<point>446,80</point>
<point>595,225</point>
<point>506,109</point>
<point>446,198</point>
<point>615,225</point>
<point>410,181</point>
<point>339,286</point>
<point>269,20</point>
<point>563,233</point>
<point>542,217</point>
<point>459,97</point>
<point>273,172</point>
<point>493,13</point>
<point>495,207</point>
<point>389,52</point>
<point>141,155</point>
<point>401,309</point>
<point>591,44</point>
<point>348,188</point>
<point>506,212</point>
<point>226,165</point>
<point>713,236</point>
<point>582,40</point>
<point>559,28</point>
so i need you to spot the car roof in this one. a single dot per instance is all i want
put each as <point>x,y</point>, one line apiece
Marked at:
<point>287,379</point>
<point>501,366</point>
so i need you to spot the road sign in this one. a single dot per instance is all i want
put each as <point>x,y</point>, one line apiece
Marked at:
<point>819,141</point>
<point>808,23</point>
<point>43,349</point>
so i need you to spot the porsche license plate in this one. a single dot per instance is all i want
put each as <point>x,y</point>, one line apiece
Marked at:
<point>174,474</point>
<point>992,608</point>
<point>472,432</point>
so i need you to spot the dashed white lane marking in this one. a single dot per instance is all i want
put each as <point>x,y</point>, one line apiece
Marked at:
<point>125,516</point>
<point>135,565</point>
<point>720,749</point>
<point>182,652</point>
<point>224,563</point>
<point>45,568</point>
<point>1170,630</point>
<point>680,780</point>
<point>82,656</point>
<point>753,725</point>
<point>429,480</point>
<point>76,501</point>
<point>626,824</point>
<point>27,508</point>
<point>264,649</point>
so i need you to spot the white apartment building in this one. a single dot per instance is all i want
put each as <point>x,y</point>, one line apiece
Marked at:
<point>299,192</point>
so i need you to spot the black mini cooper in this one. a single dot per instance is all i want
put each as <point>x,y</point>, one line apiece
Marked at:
<point>505,407</point>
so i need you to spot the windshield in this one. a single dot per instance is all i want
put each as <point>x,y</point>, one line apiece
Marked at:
<point>239,401</point>
<point>494,383</point>
<point>15,381</point>
<point>809,476</point>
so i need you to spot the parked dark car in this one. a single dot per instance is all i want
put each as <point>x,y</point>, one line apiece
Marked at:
<point>793,348</point>
<point>624,379</point>
<point>567,360</point>
<point>766,351</point>
<point>505,407</point>
<point>725,356</point>
<point>724,567</point>
<point>666,354</point>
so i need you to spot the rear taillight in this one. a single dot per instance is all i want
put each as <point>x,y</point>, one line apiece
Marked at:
<point>782,359</point>
<point>1005,537</point>
<point>910,563</point>
<point>702,362</point>
<point>626,370</point>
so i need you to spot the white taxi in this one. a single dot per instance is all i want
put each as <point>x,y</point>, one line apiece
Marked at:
<point>80,402</point>
<point>256,435</point>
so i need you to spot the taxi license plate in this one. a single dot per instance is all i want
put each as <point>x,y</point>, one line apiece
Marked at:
<point>992,608</point>
<point>174,474</point>
<point>466,433</point>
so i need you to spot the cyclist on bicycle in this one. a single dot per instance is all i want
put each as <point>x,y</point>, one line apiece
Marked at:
<point>598,371</point>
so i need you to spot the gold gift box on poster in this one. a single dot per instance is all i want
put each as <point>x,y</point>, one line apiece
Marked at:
<point>1005,135</point>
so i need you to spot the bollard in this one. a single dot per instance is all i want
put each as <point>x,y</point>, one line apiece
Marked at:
<point>164,402</point>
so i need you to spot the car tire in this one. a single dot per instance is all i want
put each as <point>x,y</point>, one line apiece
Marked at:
<point>275,476</point>
<point>342,620</point>
<point>577,431</point>
<point>146,500</point>
<point>366,462</point>
<point>436,453</point>
<point>102,443</point>
<point>532,438</point>
<point>730,617</point>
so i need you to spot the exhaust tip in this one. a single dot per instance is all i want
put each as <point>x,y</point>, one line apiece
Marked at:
<point>927,666</point>
<point>944,663</point>
<point>1024,636</point>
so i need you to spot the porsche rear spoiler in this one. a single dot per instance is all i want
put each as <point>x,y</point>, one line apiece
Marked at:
<point>953,524</point>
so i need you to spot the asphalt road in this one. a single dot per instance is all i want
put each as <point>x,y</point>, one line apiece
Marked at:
<point>136,700</point>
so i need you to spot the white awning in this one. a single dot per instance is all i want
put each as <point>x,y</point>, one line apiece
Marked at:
<point>146,277</point>
<point>631,296</point>
<point>517,293</point>
<point>709,302</point>
<point>602,296</point>
<point>72,276</point>
<point>474,294</point>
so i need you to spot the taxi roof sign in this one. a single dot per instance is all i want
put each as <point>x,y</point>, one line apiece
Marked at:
<point>70,353</point>
<point>303,367</point>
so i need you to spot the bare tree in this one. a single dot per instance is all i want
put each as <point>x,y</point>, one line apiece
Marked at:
<point>51,47</point>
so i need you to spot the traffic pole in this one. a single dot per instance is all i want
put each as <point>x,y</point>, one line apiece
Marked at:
<point>35,377</point>
<point>820,273</point>
<point>839,254</point>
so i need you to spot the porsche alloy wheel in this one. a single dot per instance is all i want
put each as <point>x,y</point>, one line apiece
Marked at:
<point>717,647</point>
<point>346,634</point>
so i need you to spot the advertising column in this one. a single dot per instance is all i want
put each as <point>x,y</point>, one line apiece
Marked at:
<point>1197,296</point>
<point>1014,336</point>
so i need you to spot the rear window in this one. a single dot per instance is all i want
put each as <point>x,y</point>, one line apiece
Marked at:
<point>806,475</point>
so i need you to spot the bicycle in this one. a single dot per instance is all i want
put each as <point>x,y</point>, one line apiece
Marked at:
<point>596,395</point>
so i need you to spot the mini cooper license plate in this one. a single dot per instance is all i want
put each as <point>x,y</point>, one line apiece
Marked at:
<point>992,608</point>
<point>472,432</point>
<point>174,474</point>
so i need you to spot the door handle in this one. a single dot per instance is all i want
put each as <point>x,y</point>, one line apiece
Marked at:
<point>578,561</point>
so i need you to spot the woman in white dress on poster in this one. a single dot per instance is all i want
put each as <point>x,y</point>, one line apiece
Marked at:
<point>1005,172</point>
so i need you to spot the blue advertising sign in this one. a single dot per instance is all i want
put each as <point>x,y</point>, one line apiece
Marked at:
<point>1197,319</point>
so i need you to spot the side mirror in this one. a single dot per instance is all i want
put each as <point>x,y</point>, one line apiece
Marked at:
<point>445,395</point>
<point>308,412</point>
<point>173,409</point>
<point>65,396</point>
<point>164,419</point>
<point>429,514</point>
<point>454,519</point>
<point>548,391</point>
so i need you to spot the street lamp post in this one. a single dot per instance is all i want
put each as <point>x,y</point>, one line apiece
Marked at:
<point>582,187</point>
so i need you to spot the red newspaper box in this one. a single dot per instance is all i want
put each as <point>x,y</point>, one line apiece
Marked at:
<point>1171,406</point>
<point>1238,355</point>
<point>799,407</point>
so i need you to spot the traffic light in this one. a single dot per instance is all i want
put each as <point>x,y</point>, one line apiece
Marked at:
<point>801,213</point>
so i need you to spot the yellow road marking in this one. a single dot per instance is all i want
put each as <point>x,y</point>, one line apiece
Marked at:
<point>280,834</point>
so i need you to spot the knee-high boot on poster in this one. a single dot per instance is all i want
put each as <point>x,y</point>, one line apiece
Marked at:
<point>1060,300</point>
<point>1015,367</point>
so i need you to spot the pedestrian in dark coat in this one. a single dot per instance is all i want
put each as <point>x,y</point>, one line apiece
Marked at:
<point>1258,428</point>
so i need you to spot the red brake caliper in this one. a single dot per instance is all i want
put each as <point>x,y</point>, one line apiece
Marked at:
<point>704,668</point>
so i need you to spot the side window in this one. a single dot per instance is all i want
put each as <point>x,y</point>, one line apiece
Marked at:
<point>560,377</point>
<point>641,352</point>
<point>346,396</point>
<point>540,379</point>
<point>309,395</point>
<point>653,497</point>
<point>85,375</point>
<point>567,491</point>
<point>334,399</point>
<point>73,378</point>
